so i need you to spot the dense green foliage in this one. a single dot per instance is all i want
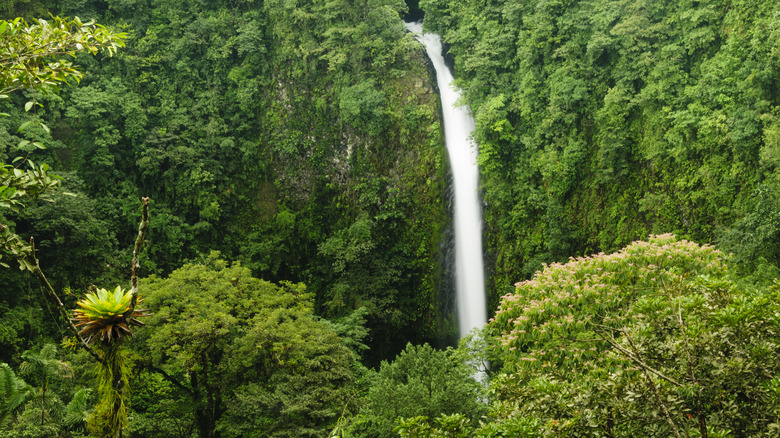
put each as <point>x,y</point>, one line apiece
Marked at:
<point>38,410</point>
<point>602,121</point>
<point>653,339</point>
<point>420,382</point>
<point>34,57</point>
<point>248,356</point>
<point>300,138</point>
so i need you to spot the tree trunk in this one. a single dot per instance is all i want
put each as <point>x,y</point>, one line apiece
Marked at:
<point>43,398</point>
<point>203,414</point>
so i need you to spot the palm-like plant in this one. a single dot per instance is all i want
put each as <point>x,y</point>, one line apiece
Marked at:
<point>45,365</point>
<point>13,392</point>
<point>103,314</point>
<point>78,410</point>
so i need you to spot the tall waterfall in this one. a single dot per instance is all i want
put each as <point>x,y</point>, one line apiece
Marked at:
<point>458,127</point>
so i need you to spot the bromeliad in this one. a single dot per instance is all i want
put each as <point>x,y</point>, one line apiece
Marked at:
<point>104,313</point>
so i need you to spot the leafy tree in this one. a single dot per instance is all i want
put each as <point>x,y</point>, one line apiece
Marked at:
<point>22,8</point>
<point>13,392</point>
<point>262,130</point>
<point>31,54</point>
<point>74,244</point>
<point>361,107</point>
<point>43,366</point>
<point>420,382</point>
<point>653,338</point>
<point>32,58</point>
<point>599,122</point>
<point>62,421</point>
<point>160,409</point>
<point>753,238</point>
<point>247,354</point>
<point>448,426</point>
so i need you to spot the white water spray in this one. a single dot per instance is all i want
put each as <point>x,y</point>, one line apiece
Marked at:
<point>458,128</point>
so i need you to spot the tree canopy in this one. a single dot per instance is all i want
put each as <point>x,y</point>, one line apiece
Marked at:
<point>655,338</point>
<point>248,355</point>
<point>264,130</point>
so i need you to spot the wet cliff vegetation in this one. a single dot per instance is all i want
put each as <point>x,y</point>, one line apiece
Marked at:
<point>602,121</point>
<point>302,140</point>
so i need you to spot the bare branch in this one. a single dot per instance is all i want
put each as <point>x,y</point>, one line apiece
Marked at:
<point>167,377</point>
<point>611,341</point>
<point>647,370</point>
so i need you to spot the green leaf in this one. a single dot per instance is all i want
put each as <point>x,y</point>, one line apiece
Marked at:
<point>24,126</point>
<point>28,106</point>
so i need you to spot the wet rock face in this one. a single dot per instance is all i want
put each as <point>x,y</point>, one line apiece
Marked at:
<point>415,13</point>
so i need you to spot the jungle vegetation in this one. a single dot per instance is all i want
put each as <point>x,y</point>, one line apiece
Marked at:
<point>289,274</point>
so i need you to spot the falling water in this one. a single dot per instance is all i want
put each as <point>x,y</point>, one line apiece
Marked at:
<point>458,127</point>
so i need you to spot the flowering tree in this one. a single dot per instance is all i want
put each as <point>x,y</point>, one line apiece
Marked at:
<point>654,340</point>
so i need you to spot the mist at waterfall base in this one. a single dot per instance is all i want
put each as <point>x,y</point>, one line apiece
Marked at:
<point>462,152</point>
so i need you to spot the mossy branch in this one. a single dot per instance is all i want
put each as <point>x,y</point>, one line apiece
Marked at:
<point>136,264</point>
<point>38,272</point>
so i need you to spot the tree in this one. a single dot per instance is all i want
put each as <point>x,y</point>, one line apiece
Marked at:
<point>32,57</point>
<point>61,420</point>
<point>420,382</point>
<point>31,54</point>
<point>361,106</point>
<point>654,338</point>
<point>76,247</point>
<point>599,122</point>
<point>447,426</point>
<point>230,118</point>
<point>13,392</point>
<point>247,354</point>
<point>43,366</point>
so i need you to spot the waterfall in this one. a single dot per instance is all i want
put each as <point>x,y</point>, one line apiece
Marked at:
<point>462,151</point>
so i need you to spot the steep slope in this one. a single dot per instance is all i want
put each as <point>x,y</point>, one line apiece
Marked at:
<point>602,121</point>
<point>301,138</point>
